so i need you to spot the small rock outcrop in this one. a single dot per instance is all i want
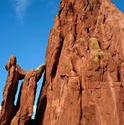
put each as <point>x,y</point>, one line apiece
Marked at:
<point>27,97</point>
<point>15,73</point>
<point>22,112</point>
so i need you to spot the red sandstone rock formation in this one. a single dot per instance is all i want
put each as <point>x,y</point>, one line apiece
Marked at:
<point>84,78</point>
<point>84,81</point>
<point>27,97</point>
<point>22,112</point>
<point>15,73</point>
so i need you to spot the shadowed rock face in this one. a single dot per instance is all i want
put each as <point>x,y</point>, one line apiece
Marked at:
<point>84,79</point>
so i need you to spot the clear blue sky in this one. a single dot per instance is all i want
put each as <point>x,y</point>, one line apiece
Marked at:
<point>24,31</point>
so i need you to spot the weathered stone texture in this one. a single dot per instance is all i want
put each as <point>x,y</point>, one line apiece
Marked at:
<point>19,114</point>
<point>84,77</point>
<point>8,108</point>
<point>84,81</point>
<point>27,97</point>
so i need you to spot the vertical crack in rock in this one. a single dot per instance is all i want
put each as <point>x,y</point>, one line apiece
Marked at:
<point>57,56</point>
<point>75,27</point>
<point>118,73</point>
<point>81,110</point>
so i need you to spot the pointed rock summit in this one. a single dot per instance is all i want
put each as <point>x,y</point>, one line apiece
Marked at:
<point>84,70</point>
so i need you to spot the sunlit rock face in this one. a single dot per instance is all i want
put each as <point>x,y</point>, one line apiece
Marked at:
<point>84,79</point>
<point>21,113</point>
<point>84,71</point>
<point>8,109</point>
<point>26,100</point>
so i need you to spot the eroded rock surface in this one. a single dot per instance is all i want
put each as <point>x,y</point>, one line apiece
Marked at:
<point>27,97</point>
<point>19,114</point>
<point>15,73</point>
<point>84,72</point>
<point>84,79</point>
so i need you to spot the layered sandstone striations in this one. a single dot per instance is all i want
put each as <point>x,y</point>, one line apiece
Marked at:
<point>84,79</point>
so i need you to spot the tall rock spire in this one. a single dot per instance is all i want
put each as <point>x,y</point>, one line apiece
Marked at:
<point>83,84</point>
<point>21,113</point>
